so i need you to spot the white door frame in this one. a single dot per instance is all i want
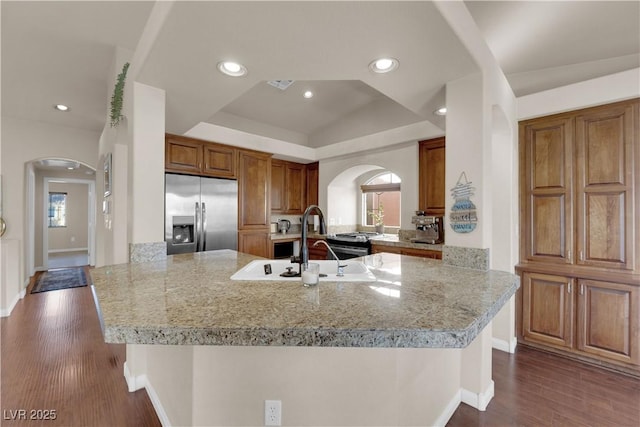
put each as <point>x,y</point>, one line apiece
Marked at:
<point>91,211</point>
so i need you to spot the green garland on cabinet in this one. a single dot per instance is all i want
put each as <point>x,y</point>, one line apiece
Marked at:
<point>117,97</point>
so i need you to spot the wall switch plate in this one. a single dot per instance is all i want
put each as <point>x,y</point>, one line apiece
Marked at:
<point>272,413</point>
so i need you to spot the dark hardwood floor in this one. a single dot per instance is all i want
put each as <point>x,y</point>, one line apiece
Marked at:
<point>535,388</point>
<point>53,357</point>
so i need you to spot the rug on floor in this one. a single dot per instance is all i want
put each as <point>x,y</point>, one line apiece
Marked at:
<point>63,278</point>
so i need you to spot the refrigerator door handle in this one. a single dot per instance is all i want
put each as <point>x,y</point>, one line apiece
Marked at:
<point>204,227</point>
<point>197,233</point>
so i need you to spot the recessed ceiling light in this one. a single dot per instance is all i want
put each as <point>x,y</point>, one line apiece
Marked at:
<point>383,65</point>
<point>308,94</point>
<point>440,111</point>
<point>61,107</point>
<point>232,68</point>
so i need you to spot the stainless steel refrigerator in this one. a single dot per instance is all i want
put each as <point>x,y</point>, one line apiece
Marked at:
<point>201,214</point>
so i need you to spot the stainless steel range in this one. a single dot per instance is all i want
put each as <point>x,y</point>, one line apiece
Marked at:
<point>350,245</point>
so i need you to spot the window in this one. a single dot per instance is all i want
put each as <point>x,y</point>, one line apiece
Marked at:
<point>57,210</point>
<point>381,195</point>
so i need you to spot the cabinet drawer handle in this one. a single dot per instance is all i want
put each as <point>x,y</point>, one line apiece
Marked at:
<point>581,289</point>
<point>569,287</point>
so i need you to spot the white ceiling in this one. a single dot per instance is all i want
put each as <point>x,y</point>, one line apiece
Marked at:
<point>62,52</point>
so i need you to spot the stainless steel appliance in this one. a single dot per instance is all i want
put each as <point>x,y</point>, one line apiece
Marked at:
<point>429,229</point>
<point>284,225</point>
<point>201,214</point>
<point>350,245</point>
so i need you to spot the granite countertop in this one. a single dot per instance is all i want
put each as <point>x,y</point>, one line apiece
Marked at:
<point>394,240</point>
<point>189,300</point>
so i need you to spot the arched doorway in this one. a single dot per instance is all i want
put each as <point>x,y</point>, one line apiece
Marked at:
<point>61,217</point>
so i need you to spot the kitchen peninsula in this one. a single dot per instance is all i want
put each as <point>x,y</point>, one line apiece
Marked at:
<point>404,349</point>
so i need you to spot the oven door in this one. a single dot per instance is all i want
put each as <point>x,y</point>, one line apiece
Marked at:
<point>347,252</point>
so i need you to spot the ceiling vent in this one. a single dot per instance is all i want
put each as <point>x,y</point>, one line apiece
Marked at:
<point>281,84</point>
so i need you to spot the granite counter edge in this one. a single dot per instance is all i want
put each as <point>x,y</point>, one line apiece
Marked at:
<point>305,337</point>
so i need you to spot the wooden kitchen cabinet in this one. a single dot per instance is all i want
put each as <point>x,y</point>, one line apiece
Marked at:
<point>547,190</point>
<point>579,251</point>
<point>605,182</point>
<point>288,187</point>
<point>424,253</point>
<point>196,157</point>
<point>548,309</point>
<point>609,321</point>
<point>254,190</point>
<point>255,242</point>
<point>278,186</point>
<point>316,252</point>
<point>431,186</point>
<point>591,318</point>
<point>313,176</point>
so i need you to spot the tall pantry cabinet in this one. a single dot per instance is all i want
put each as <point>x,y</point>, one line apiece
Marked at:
<point>580,234</point>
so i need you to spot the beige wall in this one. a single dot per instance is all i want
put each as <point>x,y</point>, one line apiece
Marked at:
<point>24,141</point>
<point>60,239</point>
<point>74,235</point>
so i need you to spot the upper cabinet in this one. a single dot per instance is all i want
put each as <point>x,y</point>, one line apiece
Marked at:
<point>312,183</point>
<point>196,157</point>
<point>578,191</point>
<point>431,187</point>
<point>288,187</point>
<point>254,191</point>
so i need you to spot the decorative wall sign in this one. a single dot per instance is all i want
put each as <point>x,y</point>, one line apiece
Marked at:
<point>463,218</point>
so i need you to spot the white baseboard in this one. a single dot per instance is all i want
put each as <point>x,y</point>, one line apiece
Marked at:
<point>134,383</point>
<point>6,312</point>
<point>478,400</point>
<point>56,251</point>
<point>506,346</point>
<point>139,382</point>
<point>448,411</point>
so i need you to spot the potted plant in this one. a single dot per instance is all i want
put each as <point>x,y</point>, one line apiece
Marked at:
<point>377,215</point>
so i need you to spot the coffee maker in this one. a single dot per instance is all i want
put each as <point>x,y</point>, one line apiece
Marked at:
<point>429,229</point>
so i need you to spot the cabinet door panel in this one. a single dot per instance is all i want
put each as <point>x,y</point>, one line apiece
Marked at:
<point>548,156</point>
<point>605,227</point>
<point>219,161</point>
<point>183,156</point>
<point>312,183</point>
<point>605,189</point>
<point>254,190</point>
<point>296,185</point>
<point>548,215</point>
<point>608,320</point>
<point>547,309</point>
<point>255,243</point>
<point>547,153</point>
<point>277,186</point>
<point>431,196</point>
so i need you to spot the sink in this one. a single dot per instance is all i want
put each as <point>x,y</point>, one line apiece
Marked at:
<point>355,271</point>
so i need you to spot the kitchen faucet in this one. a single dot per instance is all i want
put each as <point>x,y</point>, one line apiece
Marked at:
<point>341,267</point>
<point>304,249</point>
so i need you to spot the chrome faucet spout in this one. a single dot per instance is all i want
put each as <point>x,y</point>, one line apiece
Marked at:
<point>341,267</point>
<point>304,248</point>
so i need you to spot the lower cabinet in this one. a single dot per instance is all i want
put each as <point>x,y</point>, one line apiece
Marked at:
<point>316,252</point>
<point>590,318</point>
<point>255,242</point>
<point>424,253</point>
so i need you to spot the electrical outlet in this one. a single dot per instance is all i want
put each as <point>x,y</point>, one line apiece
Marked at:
<point>272,413</point>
